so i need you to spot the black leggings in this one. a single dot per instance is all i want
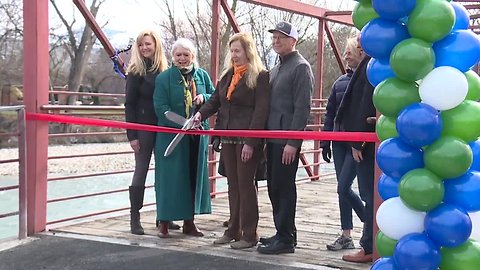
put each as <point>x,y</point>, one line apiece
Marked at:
<point>142,157</point>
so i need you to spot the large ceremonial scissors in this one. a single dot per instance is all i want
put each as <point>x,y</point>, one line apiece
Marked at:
<point>186,125</point>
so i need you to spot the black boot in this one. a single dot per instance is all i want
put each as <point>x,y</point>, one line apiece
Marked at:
<point>136,203</point>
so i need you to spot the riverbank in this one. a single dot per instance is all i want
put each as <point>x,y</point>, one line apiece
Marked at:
<point>77,165</point>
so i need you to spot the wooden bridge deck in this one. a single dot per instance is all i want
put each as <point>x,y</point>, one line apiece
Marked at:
<point>317,224</point>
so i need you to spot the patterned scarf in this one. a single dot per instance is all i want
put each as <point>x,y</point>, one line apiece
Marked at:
<point>190,89</point>
<point>238,72</point>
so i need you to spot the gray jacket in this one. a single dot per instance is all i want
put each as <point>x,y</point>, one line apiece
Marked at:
<point>291,83</point>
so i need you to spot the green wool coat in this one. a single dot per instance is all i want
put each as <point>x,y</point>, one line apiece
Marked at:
<point>173,187</point>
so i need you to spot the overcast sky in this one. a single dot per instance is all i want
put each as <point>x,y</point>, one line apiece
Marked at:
<point>127,17</point>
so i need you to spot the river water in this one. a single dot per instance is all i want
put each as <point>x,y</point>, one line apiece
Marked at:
<point>82,206</point>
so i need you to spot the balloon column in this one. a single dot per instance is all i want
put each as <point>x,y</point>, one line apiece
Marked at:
<point>422,52</point>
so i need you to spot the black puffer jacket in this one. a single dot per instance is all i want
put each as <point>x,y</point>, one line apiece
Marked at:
<point>139,100</point>
<point>338,90</point>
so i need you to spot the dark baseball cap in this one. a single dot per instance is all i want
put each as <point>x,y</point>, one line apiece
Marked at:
<point>286,28</point>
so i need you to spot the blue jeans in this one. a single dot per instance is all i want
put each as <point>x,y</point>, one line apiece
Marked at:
<point>345,168</point>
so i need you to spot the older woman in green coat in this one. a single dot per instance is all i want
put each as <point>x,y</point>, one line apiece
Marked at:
<point>181,179</point>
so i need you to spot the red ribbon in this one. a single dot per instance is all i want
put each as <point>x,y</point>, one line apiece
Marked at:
<point>271,134</point>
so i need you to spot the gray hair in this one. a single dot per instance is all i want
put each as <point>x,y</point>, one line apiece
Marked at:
<point>185,44</point>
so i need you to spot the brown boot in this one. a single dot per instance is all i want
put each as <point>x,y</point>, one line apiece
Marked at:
<point>189,228</point>
<point>163,229</point>
<point>359,257</point>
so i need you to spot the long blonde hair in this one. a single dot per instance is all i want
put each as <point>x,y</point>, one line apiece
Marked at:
<point>255,65</point>
<point>137,61</point>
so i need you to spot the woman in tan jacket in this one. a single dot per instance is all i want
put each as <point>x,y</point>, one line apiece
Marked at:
<point>242,101</point>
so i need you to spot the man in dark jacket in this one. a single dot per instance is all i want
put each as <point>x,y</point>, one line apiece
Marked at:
<point>291,84</point>
<point>356,107</point>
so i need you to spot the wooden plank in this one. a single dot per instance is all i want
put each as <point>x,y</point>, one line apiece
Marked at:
<point>317,225</point>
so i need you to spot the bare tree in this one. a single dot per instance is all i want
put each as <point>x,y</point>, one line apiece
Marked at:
<point>78,46</point>
<point>11,47</point>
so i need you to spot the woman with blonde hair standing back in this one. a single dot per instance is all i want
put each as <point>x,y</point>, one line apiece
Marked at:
<point>242,102</point>
<point>147,61</point>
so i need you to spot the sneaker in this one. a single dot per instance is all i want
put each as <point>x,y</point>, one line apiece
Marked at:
<point>342,242</point>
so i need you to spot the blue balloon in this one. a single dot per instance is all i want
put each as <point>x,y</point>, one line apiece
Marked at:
<point>388,187</point>
<point>385,263</point>
<point>379,70</point>
<point>475,146</point>
<point>416,251</point>
<point>395,158</point>
<point>419,124</point>
<point>393,9</point>
<point>462,17</point>
<point>464,191</point>
<point>460,49</point>
<point>379,37</point>
<point>448,225</point>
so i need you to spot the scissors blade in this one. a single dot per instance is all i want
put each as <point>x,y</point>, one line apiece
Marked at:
<point>173,144</point>
<point>176,140</point>
<point>176,118</point>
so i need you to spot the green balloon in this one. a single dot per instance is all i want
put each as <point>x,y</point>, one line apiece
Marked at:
<point>412,59</point>
<point>431,20</point>
<point>393,95</point>
<point>462,121</point>
<point>421,189</point>
<point>363,13</point>
<point>448,157</point>
<point>473,85</point>
<point>386,127</point>
<point>385,245</point>
<point>463,257</point>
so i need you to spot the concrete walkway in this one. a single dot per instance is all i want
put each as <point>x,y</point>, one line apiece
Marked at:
<point>54,252</point>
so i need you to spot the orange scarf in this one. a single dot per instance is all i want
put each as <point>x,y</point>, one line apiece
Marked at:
<point>238,72</point>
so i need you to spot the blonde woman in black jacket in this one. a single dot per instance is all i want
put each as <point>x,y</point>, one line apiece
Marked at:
<point>147,61</point>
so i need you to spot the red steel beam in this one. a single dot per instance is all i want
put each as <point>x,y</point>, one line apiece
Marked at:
<point>36,82</point>
<point>319,87</point>
<point>214,65</point>
<point>92,23</point>
<point>335,49</point>
<point>215,50</point>
<point>230,16</point>
<point>340,16</point>
<point>302,9</point>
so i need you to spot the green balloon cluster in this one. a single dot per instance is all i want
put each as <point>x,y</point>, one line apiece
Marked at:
<point>385,245</point>
<point>463,257</point>
<point>412,59</point>
<point>431,20</point>
<point>473,85</point>
<point>393,95</point>
<point>462,121</point>
<point>421,190</point>
<point>448,157</point>
<point>386,128</point>
<point>363,13</point>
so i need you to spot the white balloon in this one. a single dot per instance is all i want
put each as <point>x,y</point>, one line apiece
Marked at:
<point>396,220</point>
<point>475,217</point>
<point>444,88</point>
